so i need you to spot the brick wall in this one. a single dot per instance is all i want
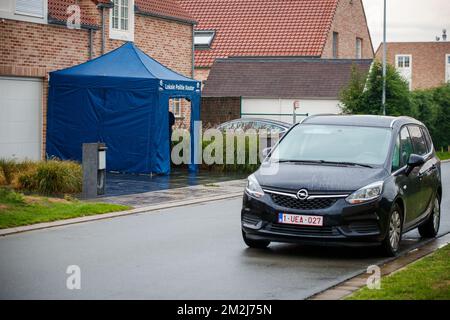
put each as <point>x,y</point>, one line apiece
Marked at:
<point>428,61</point>
<point>201,74</point>
<point>33,50</point>
<point>219,110</point>
<point>349,21</point>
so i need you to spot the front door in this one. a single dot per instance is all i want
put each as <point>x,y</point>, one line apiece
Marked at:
<point>408,183</point>
<point>425,173</point>
<point>403,64</point>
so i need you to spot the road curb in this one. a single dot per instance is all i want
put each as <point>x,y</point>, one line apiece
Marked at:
<point>354,283</point>
<point>445,161</point>
<point>157,207</point>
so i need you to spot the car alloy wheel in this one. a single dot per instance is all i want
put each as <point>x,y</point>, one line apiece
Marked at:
<point>395,229</point>
<point>436,214</point>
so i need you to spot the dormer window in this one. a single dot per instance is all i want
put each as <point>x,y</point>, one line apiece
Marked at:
<point>203,38</point>
<point>122,20</point>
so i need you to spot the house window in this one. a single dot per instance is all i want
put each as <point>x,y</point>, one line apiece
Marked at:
<point>403,61</point>
<point>34,8</point>
<point>335,45</point>
<point>203,38</point>
<point>359,48</point>
<point>403,64</point>
<point>176,107</point>
<point>122,20</point>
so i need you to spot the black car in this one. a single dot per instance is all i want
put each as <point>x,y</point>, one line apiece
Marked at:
<point>345,180</point>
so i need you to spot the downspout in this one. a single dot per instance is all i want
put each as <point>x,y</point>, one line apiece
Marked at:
<point>91,49</point>
<point>102,7</point>
<point>193,51</point>
<point>103,30</point>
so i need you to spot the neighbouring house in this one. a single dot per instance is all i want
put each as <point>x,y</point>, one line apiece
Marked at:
<point>324,29</point>
<point>423,64</point>
<point>40,36</point>
<point>268,87</point>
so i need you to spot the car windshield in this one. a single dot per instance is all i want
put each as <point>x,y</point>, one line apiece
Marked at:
<point>330,143</point>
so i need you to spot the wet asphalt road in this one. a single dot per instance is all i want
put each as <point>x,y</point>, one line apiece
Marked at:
<point>194,252</point>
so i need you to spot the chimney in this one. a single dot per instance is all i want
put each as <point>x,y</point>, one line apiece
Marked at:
<point>444,35</point>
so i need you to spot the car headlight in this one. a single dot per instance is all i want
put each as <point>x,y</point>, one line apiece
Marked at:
<point>253,188</point>
<point>367,193</point>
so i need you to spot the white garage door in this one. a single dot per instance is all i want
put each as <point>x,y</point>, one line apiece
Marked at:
<point>282,109</point>
<point>20,118</point>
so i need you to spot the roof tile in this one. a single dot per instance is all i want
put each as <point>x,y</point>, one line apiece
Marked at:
<point>262,27</point>
<point>280,77</point>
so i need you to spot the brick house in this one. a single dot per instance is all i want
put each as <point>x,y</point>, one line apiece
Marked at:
<point>324,29</point>
<point>423,64</point>
<point>35,40</point>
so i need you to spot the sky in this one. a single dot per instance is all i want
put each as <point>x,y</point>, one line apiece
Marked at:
<point>408,20</point>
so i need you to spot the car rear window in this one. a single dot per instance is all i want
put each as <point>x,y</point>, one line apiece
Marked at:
<point>427,139</point>
<point>418,141</point>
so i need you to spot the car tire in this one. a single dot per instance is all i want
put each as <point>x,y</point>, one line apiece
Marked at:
<point>430,228</point>
<point>391,242</point>
<point>257,244</point>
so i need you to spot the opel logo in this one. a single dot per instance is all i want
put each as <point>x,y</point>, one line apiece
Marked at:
<point>302,194</point>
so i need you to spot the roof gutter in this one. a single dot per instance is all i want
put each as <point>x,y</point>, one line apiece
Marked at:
<point>165,17</point>
<point>51,20</point>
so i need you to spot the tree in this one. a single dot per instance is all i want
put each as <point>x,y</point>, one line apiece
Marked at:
<point>351,96</point>
<point>441,97</point>
<point>364,97</point>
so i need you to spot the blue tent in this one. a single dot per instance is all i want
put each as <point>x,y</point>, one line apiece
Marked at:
<point>121,99</point>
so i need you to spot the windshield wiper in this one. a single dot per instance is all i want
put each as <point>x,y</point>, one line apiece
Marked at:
<point>342,163</point>
<point>297,161</point>
<point>345,163</point>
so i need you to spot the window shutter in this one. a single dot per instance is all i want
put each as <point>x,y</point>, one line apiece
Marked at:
<point>30,7</point>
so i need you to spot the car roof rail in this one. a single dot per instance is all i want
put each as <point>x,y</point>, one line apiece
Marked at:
<point>317,115</point>
<point>405,118</point>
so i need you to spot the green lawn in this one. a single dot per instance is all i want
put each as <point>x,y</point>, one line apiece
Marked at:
<point>19,210</point>
<point>443,155</point>
<point>426,279</point>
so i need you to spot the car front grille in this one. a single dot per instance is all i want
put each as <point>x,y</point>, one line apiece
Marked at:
<point>302,230</point>
<point>309,204</point>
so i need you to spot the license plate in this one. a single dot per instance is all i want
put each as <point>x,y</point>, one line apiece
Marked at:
<point>303,220</point>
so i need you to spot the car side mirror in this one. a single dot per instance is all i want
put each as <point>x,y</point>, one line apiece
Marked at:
<point>266,152</point>
<point>414,161</point>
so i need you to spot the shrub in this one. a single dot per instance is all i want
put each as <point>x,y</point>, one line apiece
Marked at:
<point>52,177</point>
<point>8,168</point>
<point>245,167</point>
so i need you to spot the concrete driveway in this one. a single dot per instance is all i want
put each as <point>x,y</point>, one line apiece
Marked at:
<point>193,252</point>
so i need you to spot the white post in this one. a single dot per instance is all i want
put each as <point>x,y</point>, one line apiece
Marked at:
<point>383,99</point>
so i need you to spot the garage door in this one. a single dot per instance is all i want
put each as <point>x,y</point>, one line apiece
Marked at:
<point>282,109</point>
<point>20,118</point>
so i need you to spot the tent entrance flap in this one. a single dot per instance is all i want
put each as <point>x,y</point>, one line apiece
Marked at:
<point>120,99</point>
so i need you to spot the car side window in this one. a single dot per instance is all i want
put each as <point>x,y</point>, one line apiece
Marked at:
<point>418,141</point>
<point>396,156</point>
<point>427,139</point>
<point>406,147</point>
